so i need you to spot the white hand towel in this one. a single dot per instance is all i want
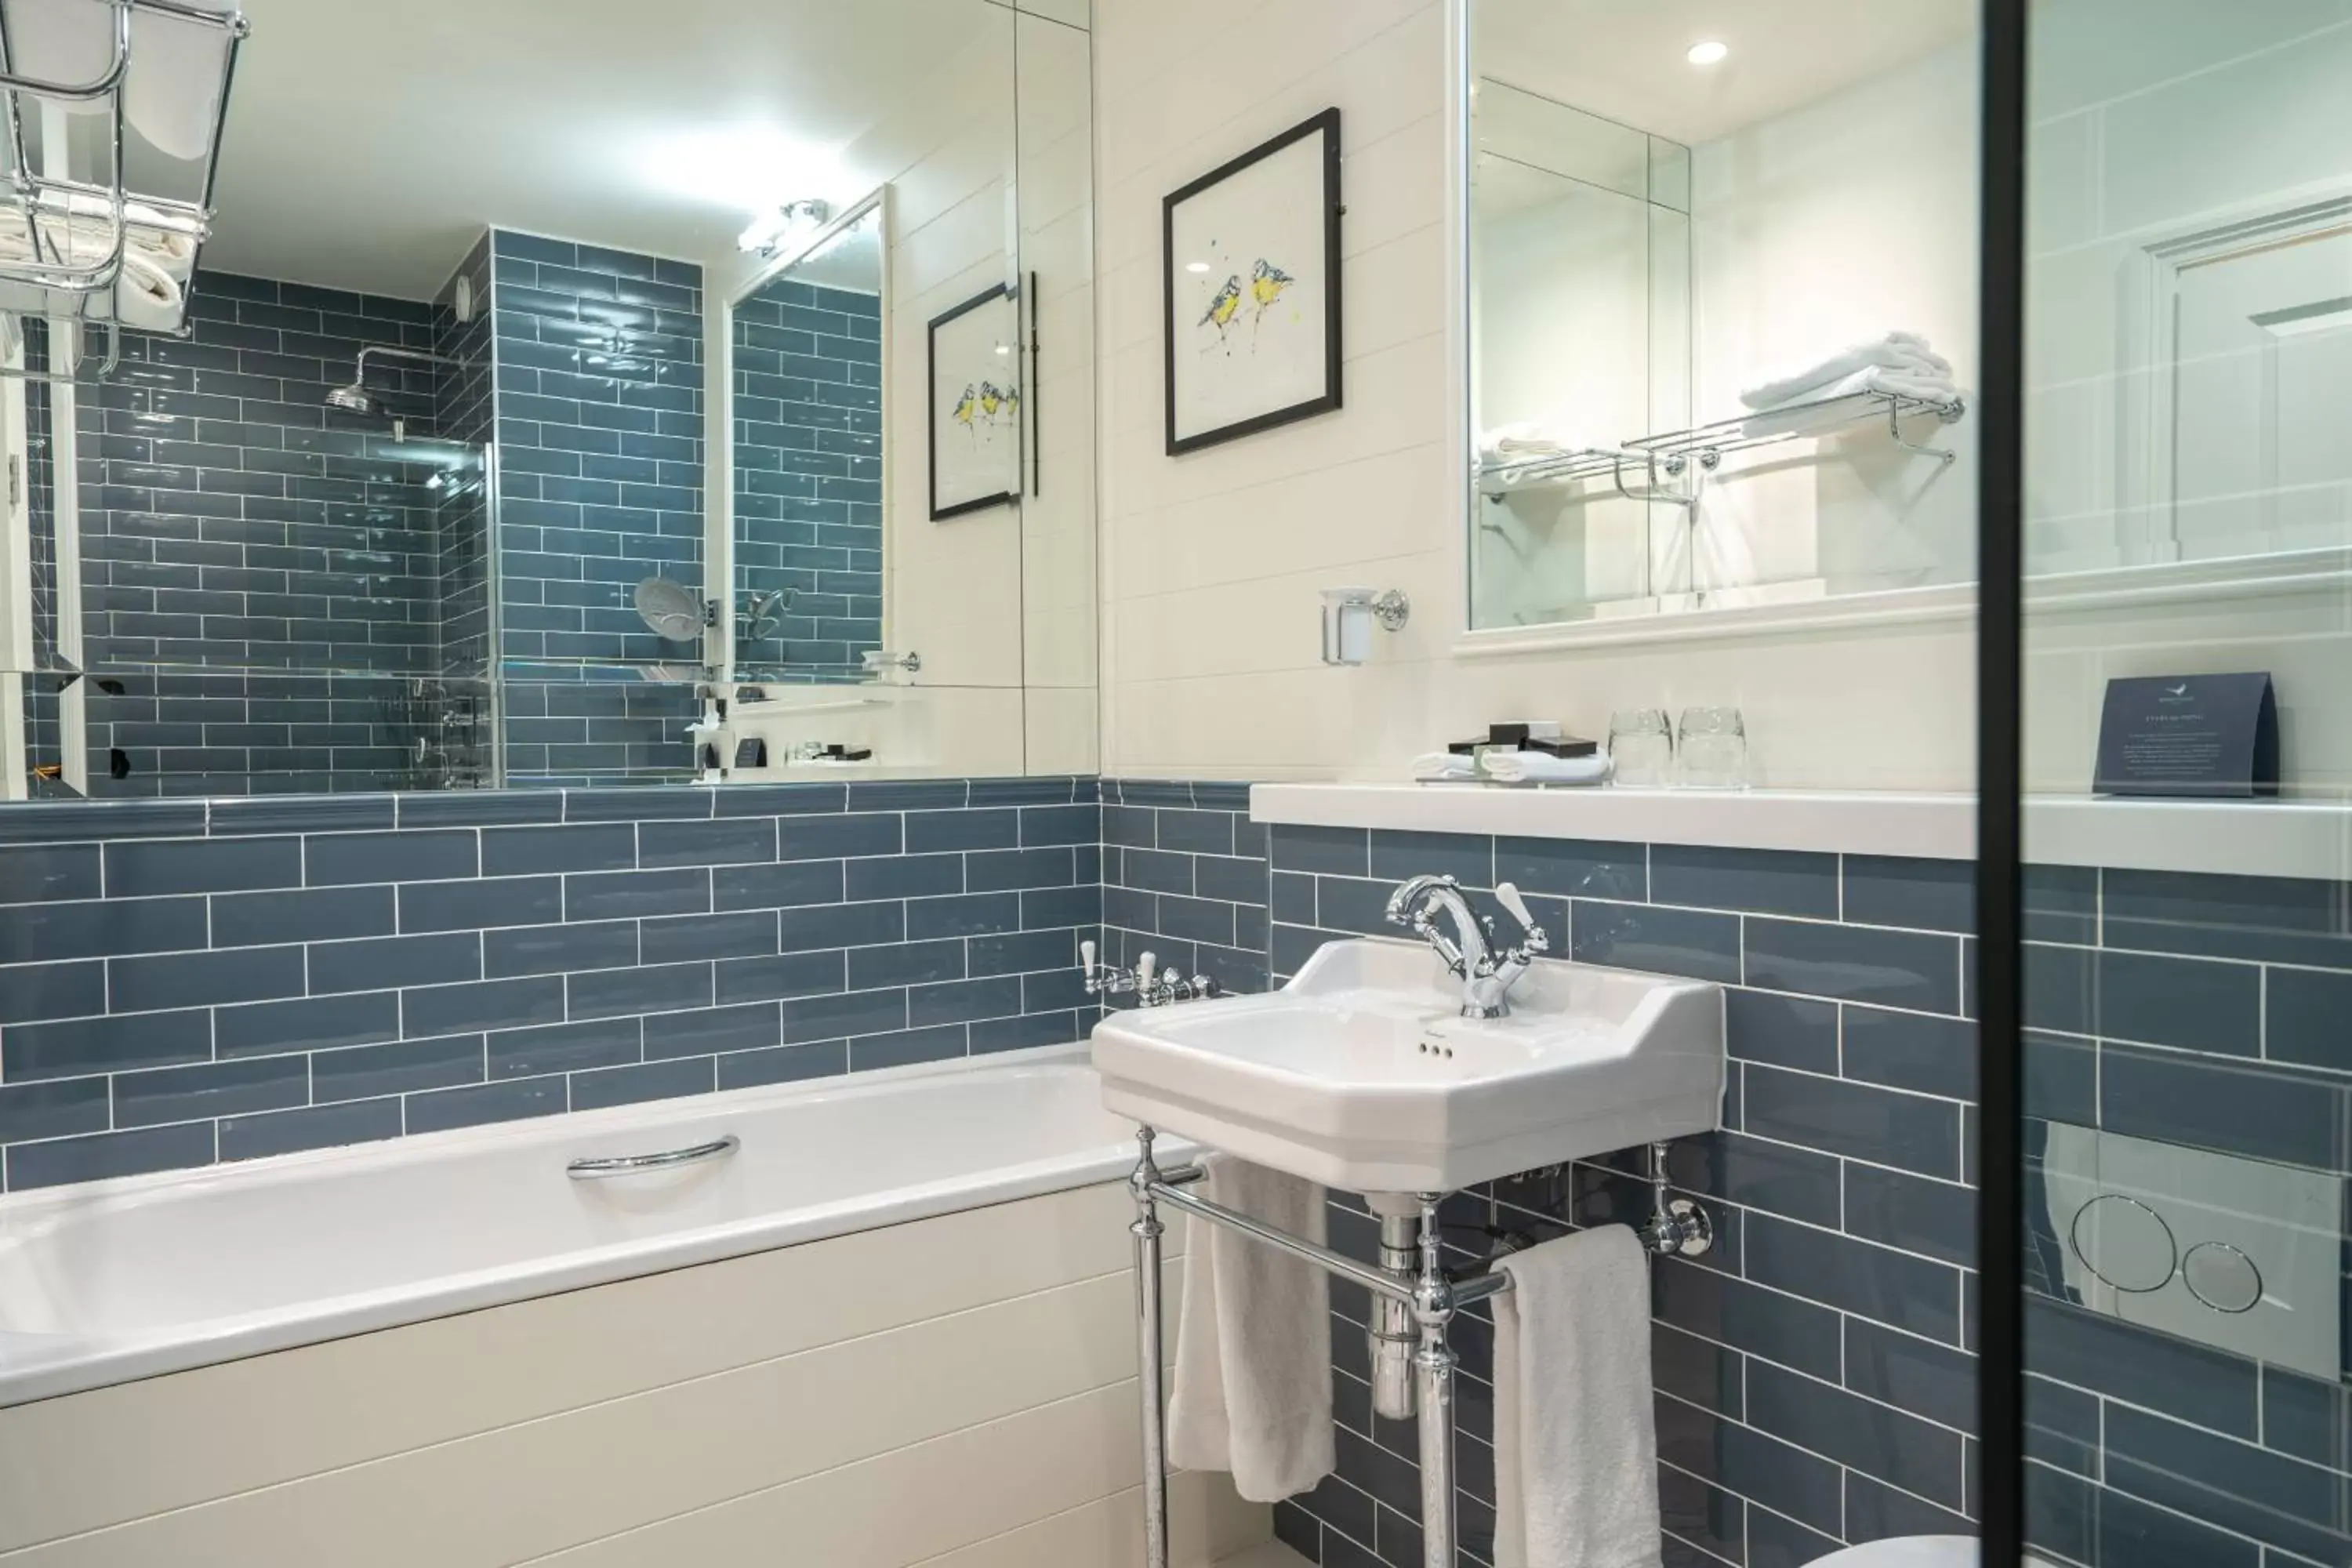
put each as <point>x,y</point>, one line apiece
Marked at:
<point>1440,767</point>
<point>1906,352</point>
<point>1542,767</point>
<point>1576,1441</point>
<point>1253,1342</point>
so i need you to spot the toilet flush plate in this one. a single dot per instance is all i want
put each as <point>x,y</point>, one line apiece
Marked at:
<point>2238,1254</point>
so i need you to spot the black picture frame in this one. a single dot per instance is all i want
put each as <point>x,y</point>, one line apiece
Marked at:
<point>1326,126</point>
<point>959,508</point>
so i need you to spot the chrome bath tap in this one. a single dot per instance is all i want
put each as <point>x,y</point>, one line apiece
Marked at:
<point>1486,974</point>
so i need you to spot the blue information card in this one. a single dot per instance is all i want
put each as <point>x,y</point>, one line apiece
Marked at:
<point>2209,735</point>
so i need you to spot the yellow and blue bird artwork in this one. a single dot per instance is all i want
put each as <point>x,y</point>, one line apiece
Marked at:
<point>998,403</point>
<point>1267,283</point>
<point>1224,307</point>
<point>967,407</point>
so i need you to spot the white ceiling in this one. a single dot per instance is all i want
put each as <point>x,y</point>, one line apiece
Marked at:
<point>370,142</point>
<point>1625,59</point>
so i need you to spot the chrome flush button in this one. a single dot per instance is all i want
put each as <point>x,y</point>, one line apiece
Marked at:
<point>2221,1277</point>
<point>2126,1243</point>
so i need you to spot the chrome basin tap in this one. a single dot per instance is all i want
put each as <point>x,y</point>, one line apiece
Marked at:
<point>1486,972</point>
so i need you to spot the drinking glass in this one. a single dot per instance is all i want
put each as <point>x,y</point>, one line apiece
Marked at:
<point>1642,746</point>
<point>1711,748</point>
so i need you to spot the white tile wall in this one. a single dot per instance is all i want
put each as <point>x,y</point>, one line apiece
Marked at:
<point>1212,561</point>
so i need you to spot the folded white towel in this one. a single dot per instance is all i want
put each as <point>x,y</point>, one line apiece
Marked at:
<point>1526,438</point>
<point>1794,418</point>
<point>1437,767</point>
<point>1513,455</point>
<point>1905,351</point>
<point>1542,767</point>
<point>1576,1442</point>
<point>1253,1342</point>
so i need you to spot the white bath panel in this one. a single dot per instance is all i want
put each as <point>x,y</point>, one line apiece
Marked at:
<point>1207,1524</point>
<point>589,1418</point>
<point>520,1492</point>
<point>1071,1467</point>
<point>180,1440</point>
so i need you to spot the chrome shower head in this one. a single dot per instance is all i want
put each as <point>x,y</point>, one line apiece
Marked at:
<point>354,399</point>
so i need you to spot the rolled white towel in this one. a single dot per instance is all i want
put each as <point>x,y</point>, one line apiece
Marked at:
<point>1440,767</point>
<point>1903,351</point>
<point>1543,768</point>
<point>173,98</point>
<point>80,229</point>
<point>180,68</point>
<point>146,296</point>
<point>147,293</point>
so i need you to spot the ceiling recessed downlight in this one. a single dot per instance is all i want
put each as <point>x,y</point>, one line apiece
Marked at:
<point>1708,52</point>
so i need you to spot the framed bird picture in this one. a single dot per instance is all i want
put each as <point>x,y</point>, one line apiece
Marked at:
<point>975,415</point>
<point>1251,264</point>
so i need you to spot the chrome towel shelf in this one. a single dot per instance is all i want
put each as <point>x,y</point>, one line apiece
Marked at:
<point>1672,452</point>
<point>96,253</point>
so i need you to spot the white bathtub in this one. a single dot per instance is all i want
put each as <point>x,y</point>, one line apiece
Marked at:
<point>154,1274</point>
<point>911,1284</point>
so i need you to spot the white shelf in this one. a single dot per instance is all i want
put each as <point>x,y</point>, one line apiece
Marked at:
<point>2267,838</point>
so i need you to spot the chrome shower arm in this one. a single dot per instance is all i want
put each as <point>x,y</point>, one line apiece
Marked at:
<point>359,370</point>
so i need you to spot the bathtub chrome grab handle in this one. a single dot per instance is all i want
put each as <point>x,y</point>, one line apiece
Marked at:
<point>635,1164</point>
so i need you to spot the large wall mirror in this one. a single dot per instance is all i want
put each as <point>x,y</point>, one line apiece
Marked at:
<point>1721,317</point>
<point>557,411</point>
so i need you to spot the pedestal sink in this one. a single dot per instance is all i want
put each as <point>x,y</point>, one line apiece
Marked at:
<point>1359,1074</point>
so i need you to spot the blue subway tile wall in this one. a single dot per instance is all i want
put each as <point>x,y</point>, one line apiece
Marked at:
<point>1788,1361</point>
<point>438,961</point>
<point>1814,1380</point>
<point>186,981</point>
<point>2205,1011</point>
<point>600,456</point>
<point>1184,879</point>
<point>261,571</point>
<point>807,412</point>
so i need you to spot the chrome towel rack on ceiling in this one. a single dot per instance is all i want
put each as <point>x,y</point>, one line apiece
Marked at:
<point>98,253</point>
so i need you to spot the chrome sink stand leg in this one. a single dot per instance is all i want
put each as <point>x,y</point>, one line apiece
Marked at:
<point>1147,1230</point>
<point>1417,1283</point>
<point>1432,1308</point>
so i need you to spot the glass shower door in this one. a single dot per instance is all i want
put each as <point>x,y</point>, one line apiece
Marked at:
<point>2185,942</point>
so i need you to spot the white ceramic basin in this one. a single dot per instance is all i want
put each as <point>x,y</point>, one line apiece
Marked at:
<point>1359,1075</point>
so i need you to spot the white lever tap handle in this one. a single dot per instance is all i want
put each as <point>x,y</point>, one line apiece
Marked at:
<point>1087,957</point>
<point>1145,966</point>
<point>1508,895</point>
